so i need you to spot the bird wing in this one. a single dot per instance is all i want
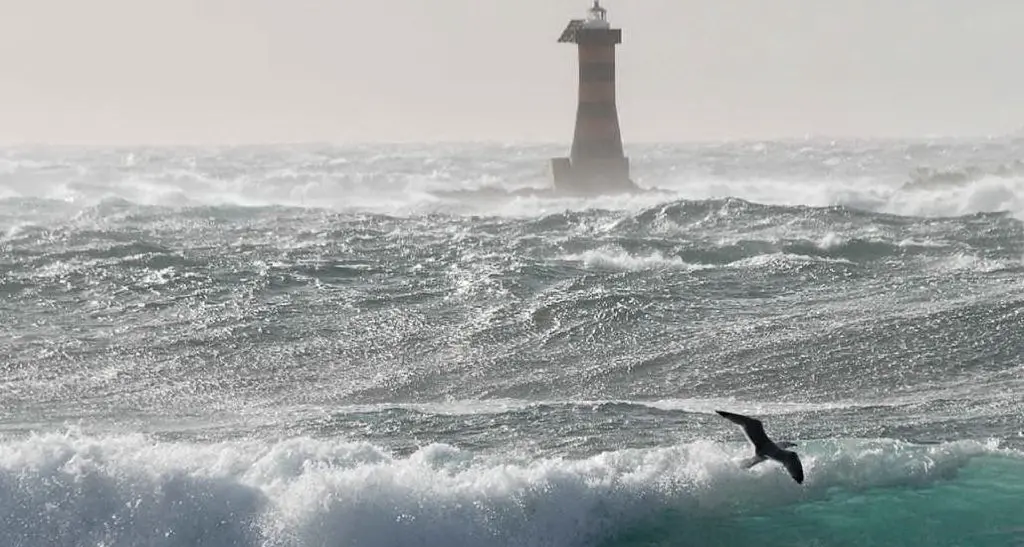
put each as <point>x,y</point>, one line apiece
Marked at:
<point>751,426</point>
<point>792,463</point>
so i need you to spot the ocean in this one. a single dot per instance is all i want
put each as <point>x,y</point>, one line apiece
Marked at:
<point>402,345</point>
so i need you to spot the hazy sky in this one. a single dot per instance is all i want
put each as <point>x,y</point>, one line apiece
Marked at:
<point>230,71</point>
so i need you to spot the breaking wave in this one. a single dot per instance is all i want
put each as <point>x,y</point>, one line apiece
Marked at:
<point>79,490</point>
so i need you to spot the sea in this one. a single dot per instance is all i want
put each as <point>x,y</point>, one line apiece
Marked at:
<point>416,344</point>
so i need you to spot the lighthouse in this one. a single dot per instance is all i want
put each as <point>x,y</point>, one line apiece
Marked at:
<point>596,163</point>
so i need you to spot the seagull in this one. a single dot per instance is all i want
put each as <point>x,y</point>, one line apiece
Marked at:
<point>764,447</point>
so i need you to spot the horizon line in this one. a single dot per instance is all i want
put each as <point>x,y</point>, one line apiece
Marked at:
<point>159,143</point>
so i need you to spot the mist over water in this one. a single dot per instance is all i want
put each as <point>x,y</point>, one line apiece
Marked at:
<point>398,345</point>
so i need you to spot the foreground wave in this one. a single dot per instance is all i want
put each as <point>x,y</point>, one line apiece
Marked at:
<point>75,489</point>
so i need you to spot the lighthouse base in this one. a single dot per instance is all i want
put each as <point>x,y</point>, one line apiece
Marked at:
<point>592,176</point>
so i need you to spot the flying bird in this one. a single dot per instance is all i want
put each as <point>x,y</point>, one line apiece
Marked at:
<point>765,448</point>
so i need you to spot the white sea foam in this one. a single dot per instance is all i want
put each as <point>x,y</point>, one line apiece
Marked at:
<point>72,489</point>
<point>618,258</point>
<point>406,180</point>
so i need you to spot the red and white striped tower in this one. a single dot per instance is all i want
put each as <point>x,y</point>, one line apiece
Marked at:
<point>596,163</point>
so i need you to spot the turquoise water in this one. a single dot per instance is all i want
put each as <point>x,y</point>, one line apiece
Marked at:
<point>978,504</point>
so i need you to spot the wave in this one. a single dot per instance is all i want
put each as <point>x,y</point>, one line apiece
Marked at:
<point>498,406</point>
<point>790,257</point>
<point>509,182</point>
<point>619,259</point>
<point>699,235</point>
<point>75,489</point>
<point>682,236</point>
<point>930,177</point>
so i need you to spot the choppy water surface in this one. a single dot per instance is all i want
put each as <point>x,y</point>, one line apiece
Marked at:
<point>387,345</point>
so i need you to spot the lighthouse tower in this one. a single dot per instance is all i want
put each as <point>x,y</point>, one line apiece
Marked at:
<point>596,163</point>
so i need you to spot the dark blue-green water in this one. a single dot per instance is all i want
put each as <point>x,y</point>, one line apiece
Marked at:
<point>331,346</point>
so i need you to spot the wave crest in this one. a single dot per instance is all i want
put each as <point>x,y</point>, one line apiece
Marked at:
<point>73,489</point>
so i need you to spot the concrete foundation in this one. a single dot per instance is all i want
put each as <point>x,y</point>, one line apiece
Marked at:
<point>592,176</point>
